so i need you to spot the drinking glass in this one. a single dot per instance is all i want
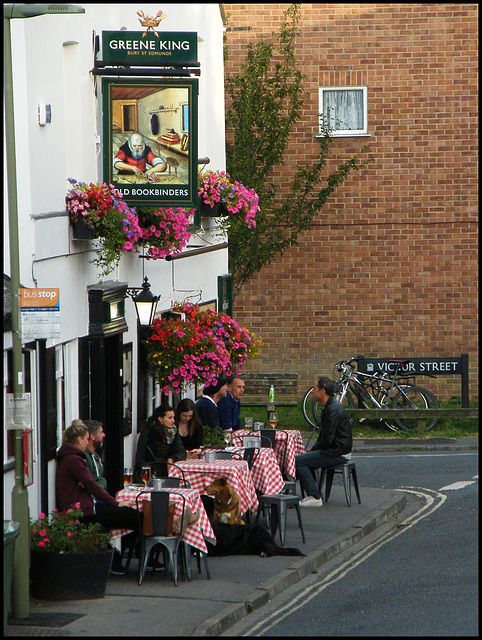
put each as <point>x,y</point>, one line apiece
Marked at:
<point>258,426</point>
<point>227,436</point>
<point>273,420</point>
<point>146,475</point>
<point>248,423</point>
<point>127,477</point>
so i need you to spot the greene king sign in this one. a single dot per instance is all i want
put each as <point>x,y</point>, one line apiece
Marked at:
<point>148,49</point>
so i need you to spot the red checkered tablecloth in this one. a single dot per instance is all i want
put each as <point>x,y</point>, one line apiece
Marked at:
<point>194,535</point>
<point>201,473</point>
<point>294,447</point>
<point>265,471</point>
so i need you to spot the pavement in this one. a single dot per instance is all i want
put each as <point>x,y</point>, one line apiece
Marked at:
<point>238,584</point>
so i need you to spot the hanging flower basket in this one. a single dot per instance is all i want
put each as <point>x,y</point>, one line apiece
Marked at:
<point>96,211</point>
<point>100,207</point>
<point>233,198</point>
<point>163,231</point>
<point>197,349</point>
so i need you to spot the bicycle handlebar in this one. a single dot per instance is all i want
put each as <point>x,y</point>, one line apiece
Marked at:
<point>339,365</point>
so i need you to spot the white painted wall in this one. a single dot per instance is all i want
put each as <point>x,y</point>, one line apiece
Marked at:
<point>52,58</point>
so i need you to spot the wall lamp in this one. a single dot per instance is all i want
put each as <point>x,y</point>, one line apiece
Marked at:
<point>145,302</point>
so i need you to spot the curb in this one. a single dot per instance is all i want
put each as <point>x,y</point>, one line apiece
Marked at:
<point>220,622</point>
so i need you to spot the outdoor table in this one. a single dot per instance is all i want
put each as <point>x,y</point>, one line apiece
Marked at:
<point>195,534</point>
<point>294,447</point>
<point>201,473</point>
<point>266,473</point>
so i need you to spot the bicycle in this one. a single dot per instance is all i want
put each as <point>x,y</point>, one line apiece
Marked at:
<point>378,390</point>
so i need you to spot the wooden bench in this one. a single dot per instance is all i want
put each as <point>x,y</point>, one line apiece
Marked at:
<point>257,386</point>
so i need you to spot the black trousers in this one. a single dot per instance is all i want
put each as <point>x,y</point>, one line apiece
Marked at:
<point>113,517</point>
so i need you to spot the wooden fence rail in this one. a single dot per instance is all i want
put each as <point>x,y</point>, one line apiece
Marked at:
<point>413,413</point>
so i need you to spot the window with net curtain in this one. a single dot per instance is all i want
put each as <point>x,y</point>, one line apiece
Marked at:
<point>343,110</point>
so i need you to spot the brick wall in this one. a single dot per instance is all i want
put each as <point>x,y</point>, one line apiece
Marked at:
<point>389,267</point>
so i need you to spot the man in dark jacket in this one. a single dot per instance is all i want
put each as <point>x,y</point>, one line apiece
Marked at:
<point>206,405</point>
<point>333,445</point>
<point>229,407</point>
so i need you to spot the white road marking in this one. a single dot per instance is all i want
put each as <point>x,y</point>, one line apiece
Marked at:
<point>457,485</point>
<point>432,501</point>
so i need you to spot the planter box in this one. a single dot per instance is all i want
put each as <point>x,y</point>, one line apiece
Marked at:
<point>69,576</point>
<point>80,231</point>
<point>218,211</point>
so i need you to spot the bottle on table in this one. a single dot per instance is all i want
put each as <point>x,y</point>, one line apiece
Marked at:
<point>271,406</point>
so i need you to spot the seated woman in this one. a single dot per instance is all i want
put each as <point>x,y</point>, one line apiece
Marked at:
<point>159,443</point>
<point>189,427</point>
<point>74,484</point>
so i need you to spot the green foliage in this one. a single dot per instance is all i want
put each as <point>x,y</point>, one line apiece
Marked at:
<point>63,532</point>
<point>212,437</point>
<point>266,98</point>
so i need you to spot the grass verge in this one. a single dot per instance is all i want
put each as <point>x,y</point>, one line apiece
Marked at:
<point>292,418</point>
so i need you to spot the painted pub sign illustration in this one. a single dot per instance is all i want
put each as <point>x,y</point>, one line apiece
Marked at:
<point>150,124</point>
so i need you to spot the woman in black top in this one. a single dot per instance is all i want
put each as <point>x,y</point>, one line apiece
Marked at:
<point>159,443</point>
<point>189,425</point>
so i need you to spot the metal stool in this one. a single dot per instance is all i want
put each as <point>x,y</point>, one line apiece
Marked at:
<point>348,470</point>
<point>278,504</point>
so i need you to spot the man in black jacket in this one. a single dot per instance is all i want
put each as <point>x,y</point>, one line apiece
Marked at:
<point>333,445</point>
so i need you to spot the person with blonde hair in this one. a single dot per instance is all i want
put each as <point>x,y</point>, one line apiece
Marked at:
<point>75,485</point>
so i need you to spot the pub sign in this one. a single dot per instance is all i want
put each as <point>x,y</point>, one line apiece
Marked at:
<point>149,49</point>
<point>150,140</point>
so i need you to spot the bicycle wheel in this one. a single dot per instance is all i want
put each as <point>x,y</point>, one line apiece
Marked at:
<point>415,398</point>
<point>308,407</point>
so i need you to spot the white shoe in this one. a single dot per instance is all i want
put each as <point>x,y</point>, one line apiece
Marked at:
<point>309,501</point>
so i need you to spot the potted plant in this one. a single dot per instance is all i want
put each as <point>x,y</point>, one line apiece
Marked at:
<point>100,209</point>
<point>197,348</point>
<point>62,546</point>
<point>219,195</point>
<point>212,439</point>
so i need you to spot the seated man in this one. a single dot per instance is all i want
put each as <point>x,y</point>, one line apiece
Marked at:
<point>206,406</point>
<point>92,451</point>
<point>333,444</point>
<point>229,407</point>
<point>134,156</point>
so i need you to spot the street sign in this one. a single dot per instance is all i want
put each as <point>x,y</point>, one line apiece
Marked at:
<point>39,314</point>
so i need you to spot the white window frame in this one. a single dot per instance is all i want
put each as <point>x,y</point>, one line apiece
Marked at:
<point>344,132</point>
